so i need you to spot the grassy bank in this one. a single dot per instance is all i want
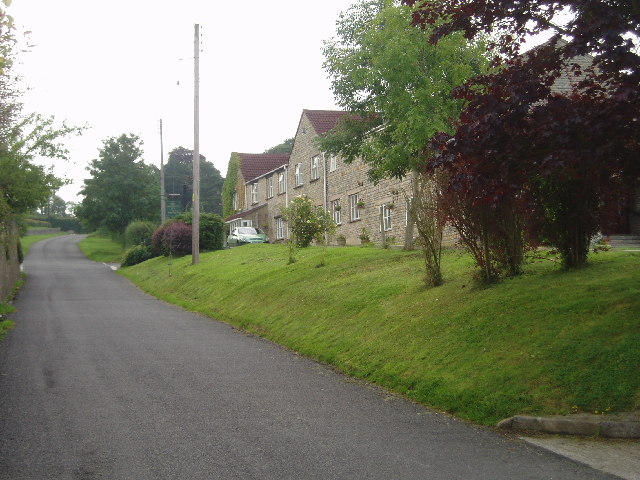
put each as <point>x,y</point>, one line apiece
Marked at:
<point>5,324</point>
<point>29,240</point>
<point>546,342</point>
<point>101,249</point>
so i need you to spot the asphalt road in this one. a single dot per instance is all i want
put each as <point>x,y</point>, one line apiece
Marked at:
<point>100,381</point>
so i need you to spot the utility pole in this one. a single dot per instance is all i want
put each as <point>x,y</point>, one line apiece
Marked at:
<point>195,222</point>
<point>163,197</point>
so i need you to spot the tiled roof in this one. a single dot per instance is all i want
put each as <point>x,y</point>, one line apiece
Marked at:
<point>245,213</point>
<point>324,120</point>
<point>254,165</point>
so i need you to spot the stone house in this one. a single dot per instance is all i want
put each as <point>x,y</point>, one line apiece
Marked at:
<point>358,207</point>
<point>256,191</point>
<point>266,183</point>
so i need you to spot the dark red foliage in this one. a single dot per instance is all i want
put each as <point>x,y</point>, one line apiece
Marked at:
<point>556,154</point>
<point>172,238</point>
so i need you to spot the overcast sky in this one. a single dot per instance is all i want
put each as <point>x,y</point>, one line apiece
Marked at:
<point>121,66</point>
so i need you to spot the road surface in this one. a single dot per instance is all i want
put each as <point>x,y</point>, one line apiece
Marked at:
<point>100,381</point>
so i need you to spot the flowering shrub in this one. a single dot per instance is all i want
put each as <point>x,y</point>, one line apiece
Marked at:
<point>306,222</point>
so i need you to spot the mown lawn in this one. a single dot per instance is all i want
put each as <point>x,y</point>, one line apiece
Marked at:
<point>546,342</point>
<point>101,249</point>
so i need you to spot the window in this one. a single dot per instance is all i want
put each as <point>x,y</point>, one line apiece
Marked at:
<point>336,208</point>
<point>282,182</point>
<point>333,163</point>
<point>353,207</point>
<point>315,167</point>
<point>386,218</point>
<point>254,193</point>
<point>299,176</point>
<point>270,186</point>
<point>235,201</point>
<point>279,228</point>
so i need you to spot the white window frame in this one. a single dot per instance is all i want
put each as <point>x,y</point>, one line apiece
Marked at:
<point>315,167</point>
<point>235,200</point>
<point>386,218</point>
<point>254,193</point>
<point>279,228</point>
<point>270,186</point>
<point>299,175</point>
<point>337,214</point>
<point>353,207</point>
<point>282,182</point>
<point>333,163</point>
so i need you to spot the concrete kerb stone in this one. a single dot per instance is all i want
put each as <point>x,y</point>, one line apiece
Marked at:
<point>625,425</point>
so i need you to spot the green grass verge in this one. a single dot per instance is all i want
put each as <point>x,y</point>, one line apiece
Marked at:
<point>7,308</point>
<point>29,240</point>
<point>5,325</point>
<point>547,342</point>
<point>101,249</point>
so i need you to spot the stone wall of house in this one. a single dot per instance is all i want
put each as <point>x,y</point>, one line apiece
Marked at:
<point>276,203</point>
<point>346,180</point>
<point>350,181</point>
<point>304,150</point>
<point>9,262</point>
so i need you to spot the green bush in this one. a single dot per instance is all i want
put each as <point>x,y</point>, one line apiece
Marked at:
<point>306,222</point>
<point>32,222</point>
<point>137,254</point>
<point>211,230</point>
<point>138,233</point>
<point>66,224</point>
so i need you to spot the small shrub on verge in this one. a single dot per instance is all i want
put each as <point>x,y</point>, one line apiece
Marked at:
<point>172,238</point>
<point>137,254</point>
<point>138,233</point>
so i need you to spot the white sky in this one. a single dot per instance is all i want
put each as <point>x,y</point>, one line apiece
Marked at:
<point>116,66</point>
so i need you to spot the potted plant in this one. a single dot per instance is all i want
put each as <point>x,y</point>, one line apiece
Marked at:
<point>337,208</point>
<point>360,204</point>
<point>364,236</point>
<point>341,240</point>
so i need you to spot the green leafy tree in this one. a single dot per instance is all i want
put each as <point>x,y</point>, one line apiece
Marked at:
<point>285,147</point>
<point>122,188</point>
<point>56,206</point>
<point>24,185</point>
<point>397,85</point>
<point>178,179</point>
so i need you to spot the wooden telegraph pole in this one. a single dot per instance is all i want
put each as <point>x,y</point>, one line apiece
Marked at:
<point>195,224</point>
<point>163,197</point>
